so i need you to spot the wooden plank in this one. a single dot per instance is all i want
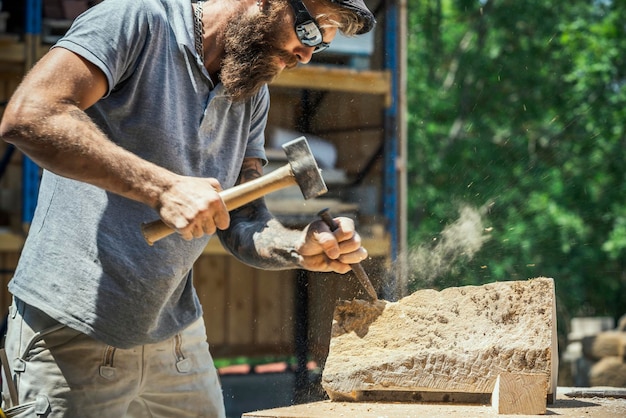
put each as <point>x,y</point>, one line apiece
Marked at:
<point>337,79</point>
<point>210,282</point>
<point>287,308</point>
<point>519,393</point>
<point>563,407</point>
<point>334,409</point>
<point>241,286</point>
<point>269,325</point>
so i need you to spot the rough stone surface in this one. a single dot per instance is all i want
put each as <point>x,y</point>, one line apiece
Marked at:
<point>454,340</point>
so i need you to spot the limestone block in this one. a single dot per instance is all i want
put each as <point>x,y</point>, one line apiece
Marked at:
<point>457,340</point>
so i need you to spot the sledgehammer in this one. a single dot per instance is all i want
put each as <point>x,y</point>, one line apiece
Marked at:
<point>301,169</point>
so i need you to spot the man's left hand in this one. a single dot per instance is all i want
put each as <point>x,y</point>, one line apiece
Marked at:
<point>325,250</point>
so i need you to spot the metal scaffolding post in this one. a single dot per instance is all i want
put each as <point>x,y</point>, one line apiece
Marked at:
<point>30,170</point>
<point>395,145</point>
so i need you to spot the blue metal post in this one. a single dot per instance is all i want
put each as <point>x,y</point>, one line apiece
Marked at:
<point>30,189</point>
<point>390,201</point>
<point>395,146</point>
<point>30,170</point>
<point>33,17</point>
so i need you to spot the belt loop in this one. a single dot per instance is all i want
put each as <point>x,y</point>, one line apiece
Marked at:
<point>42,405</point>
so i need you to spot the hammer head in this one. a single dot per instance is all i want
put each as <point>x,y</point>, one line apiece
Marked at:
<point>304,168</point>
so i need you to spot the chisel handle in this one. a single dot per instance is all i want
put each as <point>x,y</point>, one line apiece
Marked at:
<point>357,268</point>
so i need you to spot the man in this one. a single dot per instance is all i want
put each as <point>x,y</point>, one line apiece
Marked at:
<point>150,108</point>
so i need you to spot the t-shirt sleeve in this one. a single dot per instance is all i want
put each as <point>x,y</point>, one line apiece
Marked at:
<point>256,139</point>
<point>111,35</point>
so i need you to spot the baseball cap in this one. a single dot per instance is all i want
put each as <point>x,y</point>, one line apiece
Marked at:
<point>361,10</point>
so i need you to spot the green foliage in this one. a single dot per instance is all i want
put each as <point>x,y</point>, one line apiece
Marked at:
<point>518,109</point>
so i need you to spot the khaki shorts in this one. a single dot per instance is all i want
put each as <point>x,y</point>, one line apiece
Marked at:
<point>60,372</point>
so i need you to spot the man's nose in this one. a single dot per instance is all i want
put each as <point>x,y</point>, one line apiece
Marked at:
<point>304,53</point>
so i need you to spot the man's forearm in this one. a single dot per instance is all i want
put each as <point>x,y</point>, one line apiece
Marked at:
<point>258,239</point>
<point>69,144</point>
<point>45,119</point>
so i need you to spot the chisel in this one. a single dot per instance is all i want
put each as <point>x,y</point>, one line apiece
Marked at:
<point>358,270</point>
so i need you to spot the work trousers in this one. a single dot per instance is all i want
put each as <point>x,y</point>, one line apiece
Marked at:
<point>60,372</point>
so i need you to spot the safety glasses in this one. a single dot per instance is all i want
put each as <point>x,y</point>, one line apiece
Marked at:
<point>307,29</point>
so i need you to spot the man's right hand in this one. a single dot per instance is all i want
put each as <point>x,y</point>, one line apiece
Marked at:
<point>193,207</point>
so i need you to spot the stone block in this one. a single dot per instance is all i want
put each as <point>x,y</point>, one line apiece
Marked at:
<point>457,340</point>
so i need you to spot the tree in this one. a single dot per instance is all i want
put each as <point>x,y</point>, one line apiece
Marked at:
<point>516,114</point>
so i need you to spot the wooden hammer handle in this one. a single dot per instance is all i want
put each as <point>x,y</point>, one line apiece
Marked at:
<point>233,198</point>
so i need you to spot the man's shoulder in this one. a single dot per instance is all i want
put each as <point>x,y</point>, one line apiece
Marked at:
<point>262,96</point>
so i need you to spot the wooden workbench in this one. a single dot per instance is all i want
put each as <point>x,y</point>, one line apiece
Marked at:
<point>564,406</point>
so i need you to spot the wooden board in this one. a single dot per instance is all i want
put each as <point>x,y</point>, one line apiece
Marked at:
<point>246,310</point>
<point>563,407</point>
<point>241,288</point>
<point>337,79</point>
<point>516,394</point>
<point>274,307</point>
<point>210,283</point>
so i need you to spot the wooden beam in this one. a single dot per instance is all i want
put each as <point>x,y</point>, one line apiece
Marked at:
<point>599,407</point>
<point>376,246</point>
<point>337,79</point>
<point>520,394</point>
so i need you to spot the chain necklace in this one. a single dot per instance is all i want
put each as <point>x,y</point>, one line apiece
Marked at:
<point>198,29</point>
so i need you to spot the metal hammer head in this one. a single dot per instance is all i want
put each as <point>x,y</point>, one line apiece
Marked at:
<point>304,168</point>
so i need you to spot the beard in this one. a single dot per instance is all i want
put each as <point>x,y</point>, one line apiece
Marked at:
<point>252,51</point>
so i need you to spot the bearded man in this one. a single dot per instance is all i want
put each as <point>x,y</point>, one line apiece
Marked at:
<point>150,108</point>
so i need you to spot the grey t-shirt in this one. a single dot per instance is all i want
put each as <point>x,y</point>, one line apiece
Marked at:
<point>85,262</point>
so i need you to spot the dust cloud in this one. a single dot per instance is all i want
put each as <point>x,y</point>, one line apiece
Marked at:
<point>460,240</point>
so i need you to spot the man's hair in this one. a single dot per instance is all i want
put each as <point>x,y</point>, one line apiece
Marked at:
<point>344,19</point>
